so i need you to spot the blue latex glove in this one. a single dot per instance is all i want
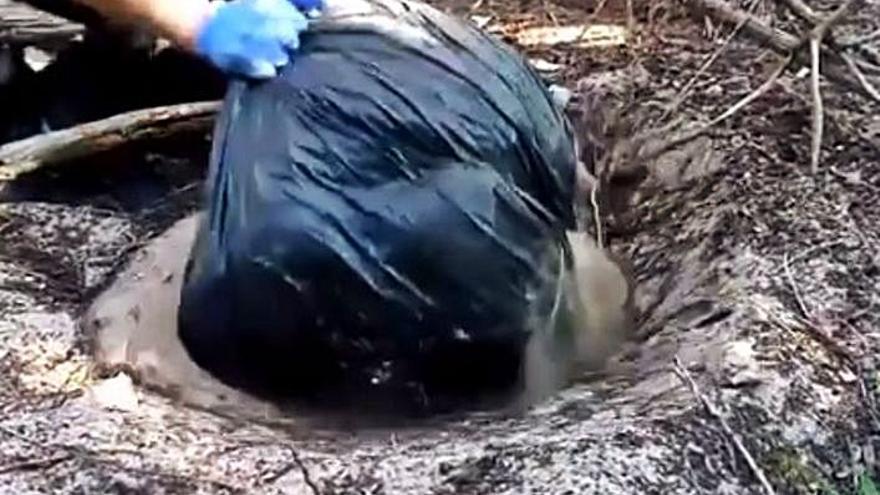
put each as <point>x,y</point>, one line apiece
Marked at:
<point>253,38</point>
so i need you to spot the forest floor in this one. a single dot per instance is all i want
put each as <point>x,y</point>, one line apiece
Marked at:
<point>758,292</point>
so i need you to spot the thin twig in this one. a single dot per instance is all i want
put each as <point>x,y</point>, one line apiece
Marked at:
<point>597,216</point>
<point>32,464</point>
<point>685,92</point>
<point>835,18</point>
<point>630,16</point>
<point>783,42</point>
<point>869,67</point>
<point>745,101</point>
<point>807,253</point>
<point>861,40</point>
<point>839,121</point>
<point>713,411</point>
<point>869,88</point>
<point>786,265</point>
<point>833,347</point>
<point>598,9</point>
<point>817,35</point>
<point>818,108</point>
<point>307,476</point>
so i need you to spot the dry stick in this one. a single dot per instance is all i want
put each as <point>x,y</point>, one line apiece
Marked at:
<point>592,16</point>
<point>867,66</point>
<point>827,341</point>
<point>693,134</point>
<point>839,121</point>
<point>838,15</point>
<point>685,92</point>
<point>786,265</point>
<point>27,155</point>
<point>630,16</point>
<point>780,41</point>
<point>598,9</point>
<point>869,88</point>
<point>597,216</point>
<point>861,40</point>
<point>818,108</point>
<point>817,35</point>
<point>835,349</point>
<point>33,464</point>
<point>713,411</point>
<point>807,253</point>
<point>304,471</point>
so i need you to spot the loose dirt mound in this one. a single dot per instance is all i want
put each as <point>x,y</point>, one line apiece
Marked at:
<point>759,279</point>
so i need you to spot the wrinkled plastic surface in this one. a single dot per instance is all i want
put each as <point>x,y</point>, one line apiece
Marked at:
<point>393,203</point>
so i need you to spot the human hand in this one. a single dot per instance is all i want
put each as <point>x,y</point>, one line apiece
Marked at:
<point>253,38</point>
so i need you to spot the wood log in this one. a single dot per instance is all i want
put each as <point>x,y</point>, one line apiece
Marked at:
<point>24,25</point>
<point>27,155</point>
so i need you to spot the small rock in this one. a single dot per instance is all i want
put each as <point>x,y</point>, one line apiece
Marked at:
<point>481,21</point>
<point>561,95</point>
<point>740,354</point>
<point>116,393</point>
<point>847,376</point>
<point>37,59</point>
<point>542,65</point>
<point>740,366</point>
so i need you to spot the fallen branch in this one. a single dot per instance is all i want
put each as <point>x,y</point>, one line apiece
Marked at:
<point>21,157</point>
<point>776,39</point>
<point>840,67</point>
<point>785,43</point>
<point>713,411</point>
<point>20,24</point>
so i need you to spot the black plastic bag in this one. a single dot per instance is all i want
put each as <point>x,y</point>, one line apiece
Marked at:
<point>391,207</point>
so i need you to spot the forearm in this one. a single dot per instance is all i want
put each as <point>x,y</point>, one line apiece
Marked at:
<point>177,20</point>
<point>250,38</point>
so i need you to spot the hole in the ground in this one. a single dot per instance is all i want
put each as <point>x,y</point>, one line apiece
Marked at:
<point>148,343</point>
<point>154,190</point>
<point>128,320</point>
